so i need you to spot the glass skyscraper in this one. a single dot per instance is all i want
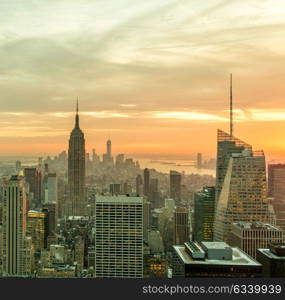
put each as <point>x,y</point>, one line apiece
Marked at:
<point>241,184</point>
<point>204,214</point>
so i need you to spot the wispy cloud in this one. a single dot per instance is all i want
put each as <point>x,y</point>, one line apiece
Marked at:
<point>156,66</point>
<point>194,116</point>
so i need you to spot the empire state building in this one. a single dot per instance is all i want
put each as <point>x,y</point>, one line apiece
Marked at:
<point>76,202</point>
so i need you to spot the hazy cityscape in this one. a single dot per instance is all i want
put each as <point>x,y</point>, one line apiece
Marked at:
<point>80,215</point>
<point>128,147</point>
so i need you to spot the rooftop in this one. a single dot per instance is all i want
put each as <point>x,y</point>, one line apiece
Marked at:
<point>118,199</point>
<point>272,255</point>
<point>238,258</point>
<point>215,245</point>
<point>255,226</point>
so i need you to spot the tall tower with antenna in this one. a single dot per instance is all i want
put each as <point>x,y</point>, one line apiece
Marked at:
<point>76,205</point>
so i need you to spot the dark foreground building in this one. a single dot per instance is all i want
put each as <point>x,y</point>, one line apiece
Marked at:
<point>212,259</point>
<point>272,260</point>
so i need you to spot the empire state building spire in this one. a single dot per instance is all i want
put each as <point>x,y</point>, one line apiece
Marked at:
<point>77,116</point>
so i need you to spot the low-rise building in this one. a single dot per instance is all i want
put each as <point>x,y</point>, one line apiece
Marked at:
<point>212,259</point>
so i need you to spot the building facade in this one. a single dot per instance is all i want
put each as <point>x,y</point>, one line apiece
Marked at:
<point>118,237</point>
<point>175,186</point>
<point>146,182</point>
<point>181,226</point>
<point>14,226</point>
<point>251,236</point>
<point>276,190</point>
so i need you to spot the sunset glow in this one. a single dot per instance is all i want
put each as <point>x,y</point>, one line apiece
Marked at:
<point>152,76</point>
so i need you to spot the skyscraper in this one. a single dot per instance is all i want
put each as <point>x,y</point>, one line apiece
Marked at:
<point>154,195</point>
<point>181,226</point>
<point>146,180</point>
<point>276,190</point>
<point>226,145</point>
<point>109,148</point>
<point>50,188</point>
<point>175,187</point>
<point>199,161</point>
<point>204,214</point>
<point>37,228</point>
<point>76,171</point>
<point>51,210</point>
<point>244,193</point>
<point>139,185</point>
<point>34,179</point>
<point>14,226</point>
<point>118,237</point>
<point>108,160</point>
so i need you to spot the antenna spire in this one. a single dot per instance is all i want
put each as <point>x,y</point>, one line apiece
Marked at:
<point>77,116</point>
<point>231,106</point>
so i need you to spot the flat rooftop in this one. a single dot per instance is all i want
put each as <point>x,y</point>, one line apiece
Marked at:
<point>118,199</point>
<point>238,258</point>
<point>215,245</point>
<point>256,226</point>
<point>270,254</point>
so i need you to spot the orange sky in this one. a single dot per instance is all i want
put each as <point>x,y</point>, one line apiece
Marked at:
<point>153,77</point>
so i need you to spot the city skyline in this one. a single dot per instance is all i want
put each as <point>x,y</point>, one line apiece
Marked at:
<point>132,80</point>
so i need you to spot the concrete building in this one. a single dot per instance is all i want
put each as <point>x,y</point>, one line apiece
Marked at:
<point>181,232</point>
<point>155,242</point>
<point>175,186</point>
<point>118,237</point>
<point>37,228</point>
<point>272,260</point>
<point>14,226</point>
<point>251,236</point>
<point>146,218</point>
<point>51,210</point>
<point>51,188</point>
<point>276,191</point>
<point>33,177</point>
<point>154,195</point>
<point>115,189</point>
<point>212,259</point>
<point>139,186</point>
<point>146,181</point>
<point>156,266</point>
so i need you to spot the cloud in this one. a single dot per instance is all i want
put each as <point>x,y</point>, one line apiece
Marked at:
<point>144,67</point>
<point>194,116</point>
